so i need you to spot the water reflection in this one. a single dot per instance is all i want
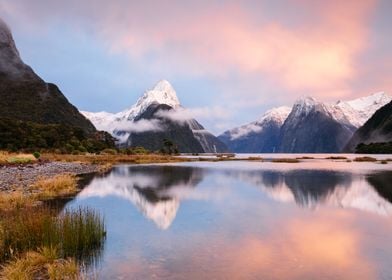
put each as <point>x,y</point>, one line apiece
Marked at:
<point>146,188</point>
<point>158,190</point>
<point>243,223</point>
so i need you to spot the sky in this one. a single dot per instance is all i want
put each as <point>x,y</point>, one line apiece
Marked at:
<point>231,59</point>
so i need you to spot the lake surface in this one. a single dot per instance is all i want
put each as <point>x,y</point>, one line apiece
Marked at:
<point>316,219</point>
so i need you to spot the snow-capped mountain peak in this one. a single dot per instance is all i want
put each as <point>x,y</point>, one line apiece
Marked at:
<point>359,110</point>
<point>277,115</point>
<point>162,93</point>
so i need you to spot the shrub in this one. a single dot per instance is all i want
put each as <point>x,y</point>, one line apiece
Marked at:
<point>37,155</point>
<point>109,152</point>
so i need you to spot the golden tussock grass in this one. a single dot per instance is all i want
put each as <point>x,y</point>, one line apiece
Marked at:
<point>13,158</point>
<point>15,200</point>
<point>113,158</point>
<point>60,185</point>
<point>41,264</point>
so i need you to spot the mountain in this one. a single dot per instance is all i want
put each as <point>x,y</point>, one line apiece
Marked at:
<point>261,136</point>
<point>24,96</point>
<point>157,116</point>
<point>377,129</point>
<point>306,127</point>
<point>315,127</point>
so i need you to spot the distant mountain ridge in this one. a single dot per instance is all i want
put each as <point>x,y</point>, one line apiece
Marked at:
<point>309,126</point>
<point>148,122</point>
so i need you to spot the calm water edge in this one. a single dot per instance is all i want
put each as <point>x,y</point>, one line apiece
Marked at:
<point>316,219</point>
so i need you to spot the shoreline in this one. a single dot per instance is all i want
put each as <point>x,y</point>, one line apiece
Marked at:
<point>13,177</point>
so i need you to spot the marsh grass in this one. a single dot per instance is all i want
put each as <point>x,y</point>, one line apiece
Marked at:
<point>60,185</point>
<point>337,158</point>
<point>13,158</point>
<point>285,160</point>
<point>15,200</point>
<point>365,159</point>
<point>76,233</point>
<point>41,264</point>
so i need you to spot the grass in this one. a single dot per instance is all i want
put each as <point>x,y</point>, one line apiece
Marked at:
<point>365,159</point>
<point>113,158</point>
<point>13,158</point>
<point>285,160</point>
<point>336,157</point>
<point>60,185</point>
<point>75,233</point>
<point>41,264</point>
<point>15,200</point>
<point>305,157</point>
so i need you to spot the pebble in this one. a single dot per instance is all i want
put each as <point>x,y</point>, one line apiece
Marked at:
<point>12,177</point>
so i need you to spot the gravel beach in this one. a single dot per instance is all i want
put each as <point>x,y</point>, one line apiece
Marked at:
<point>12,177</point>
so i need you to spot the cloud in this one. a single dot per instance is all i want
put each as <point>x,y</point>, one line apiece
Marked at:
<point>258,54</point>
<point>183,115</point>
<point>139,126</point>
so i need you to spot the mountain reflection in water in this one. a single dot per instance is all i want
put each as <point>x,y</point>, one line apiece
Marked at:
<point>157,190</point>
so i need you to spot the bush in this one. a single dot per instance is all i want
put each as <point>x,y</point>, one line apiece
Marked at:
<point>37,155</point>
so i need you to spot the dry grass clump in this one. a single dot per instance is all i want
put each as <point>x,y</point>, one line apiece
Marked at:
<point>42,264</point>
<point>15,200</point>
<point>60,185</point>
<point>285,160</point>
<point>365,159</point>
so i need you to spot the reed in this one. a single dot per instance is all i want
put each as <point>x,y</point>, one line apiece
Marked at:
<point>76,233</point>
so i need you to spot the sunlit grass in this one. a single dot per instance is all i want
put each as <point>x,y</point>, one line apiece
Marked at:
<point>15,200</point>
<point>60,185</point>
<point>42,264</point>
<point>13,158</point>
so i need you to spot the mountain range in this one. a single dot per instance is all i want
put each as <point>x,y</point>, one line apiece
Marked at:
<point>310,126</point>
<point>157,116</point>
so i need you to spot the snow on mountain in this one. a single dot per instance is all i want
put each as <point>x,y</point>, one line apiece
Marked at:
<point>277,115</point>
<point>358,111</point>
<point>162,93</point>
<point>354,112</point>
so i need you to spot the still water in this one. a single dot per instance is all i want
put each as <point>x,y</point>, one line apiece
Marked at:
<point>244,220</point>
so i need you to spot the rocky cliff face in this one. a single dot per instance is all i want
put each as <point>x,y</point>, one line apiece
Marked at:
<point>25,96</point>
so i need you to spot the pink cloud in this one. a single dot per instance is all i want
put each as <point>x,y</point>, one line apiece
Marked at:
<point>315,55</point>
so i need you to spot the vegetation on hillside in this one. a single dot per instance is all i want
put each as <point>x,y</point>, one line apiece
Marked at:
<point>18,135</point>
<point>374,148</point>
